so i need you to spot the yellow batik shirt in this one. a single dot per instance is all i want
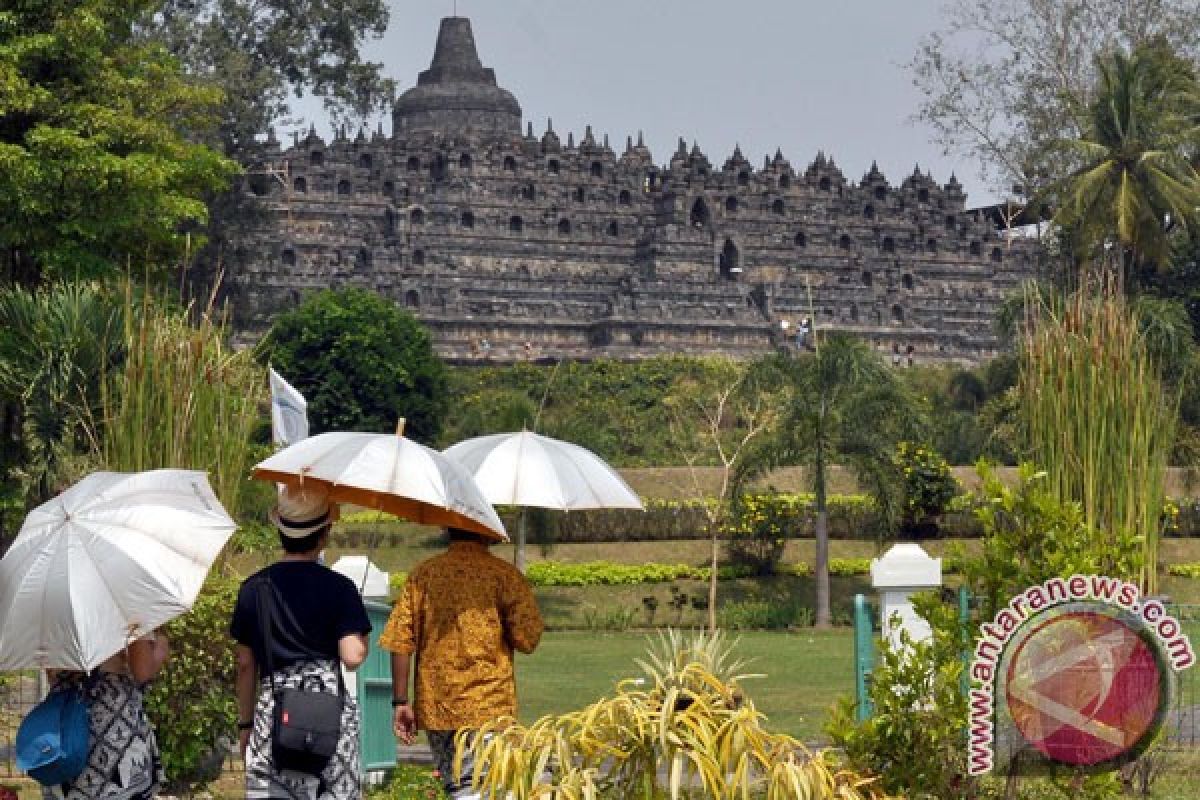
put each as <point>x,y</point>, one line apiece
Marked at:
<point>463,613</point>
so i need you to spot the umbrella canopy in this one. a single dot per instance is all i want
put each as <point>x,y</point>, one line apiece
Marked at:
<point>389,473</point>
<point>111,558</point>
<point>527,469</point>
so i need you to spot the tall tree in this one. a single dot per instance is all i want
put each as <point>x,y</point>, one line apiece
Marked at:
<point>262,53</point>
<point>1005,80</point>
<point>844,406</point>
<point>95,167</point>
<point>1134,184</point>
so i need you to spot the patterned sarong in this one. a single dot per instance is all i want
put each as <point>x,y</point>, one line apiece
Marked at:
<point>123,761</point>
<point>341,780</point>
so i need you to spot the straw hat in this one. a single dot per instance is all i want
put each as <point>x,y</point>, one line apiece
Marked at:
<point>302,511</point>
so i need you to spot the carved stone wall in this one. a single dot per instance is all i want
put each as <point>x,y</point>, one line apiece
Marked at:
<point>512,246</point>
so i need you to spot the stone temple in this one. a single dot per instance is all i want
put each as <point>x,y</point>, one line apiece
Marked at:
<point>511,246</point>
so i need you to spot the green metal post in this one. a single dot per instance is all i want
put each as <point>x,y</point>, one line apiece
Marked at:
<point>964,621</point>
<point>864,655</point>
<point>378,742</point>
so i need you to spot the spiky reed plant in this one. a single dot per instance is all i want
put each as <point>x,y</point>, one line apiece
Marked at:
<point>180,398</point>
<point>1098,419</point>
<point>682,720</point>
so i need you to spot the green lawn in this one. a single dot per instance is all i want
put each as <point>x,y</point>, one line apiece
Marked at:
<point>804,672</point>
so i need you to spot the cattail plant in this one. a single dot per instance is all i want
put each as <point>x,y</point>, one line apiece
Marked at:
<point>180,398</point>
<point>1097,417</point>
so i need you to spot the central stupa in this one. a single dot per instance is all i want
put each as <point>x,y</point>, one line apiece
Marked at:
<point>457,93</point>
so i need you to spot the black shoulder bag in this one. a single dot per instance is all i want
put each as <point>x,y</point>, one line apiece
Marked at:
<point>307,722</point>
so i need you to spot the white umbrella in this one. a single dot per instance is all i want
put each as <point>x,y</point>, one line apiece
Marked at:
<point>389,473</point>
<point>112,558</point>
<point>527,469</point>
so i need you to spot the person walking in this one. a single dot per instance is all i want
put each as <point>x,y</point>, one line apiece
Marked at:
<point>461,614</point>
<point>123,761</point>
<point>317,625</point>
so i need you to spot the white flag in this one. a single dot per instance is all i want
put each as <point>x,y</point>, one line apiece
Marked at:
<point>289,412</point>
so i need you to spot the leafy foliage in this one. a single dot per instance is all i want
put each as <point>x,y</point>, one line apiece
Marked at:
<point>181,398</point>
<point>616,409</point>
<point>1098,418</point>
<point>914,736</point>
<point>607,573</point>
<point>409,782</point>
<point>191,703</point>
<point>929,485</point>
<point>56,343</point>
<point>260,53</point>
<point>693,720</point>
<point>1135,180</point>
<point>96,164</point>
<point>1031,535</point>
<point>843,406</point>
<point>361,363</point>
<point>1004,80</point>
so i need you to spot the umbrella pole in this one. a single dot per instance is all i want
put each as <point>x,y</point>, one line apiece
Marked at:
<point>519,545</point>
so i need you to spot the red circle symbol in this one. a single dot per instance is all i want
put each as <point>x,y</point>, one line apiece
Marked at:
<point>1084,688</point>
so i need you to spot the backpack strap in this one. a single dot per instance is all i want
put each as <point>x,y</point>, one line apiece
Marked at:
<point>268,608</point>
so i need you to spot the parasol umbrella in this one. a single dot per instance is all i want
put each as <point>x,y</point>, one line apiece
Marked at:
<point>389,473</point>
<point>528,469</point>
<point>108,560</point>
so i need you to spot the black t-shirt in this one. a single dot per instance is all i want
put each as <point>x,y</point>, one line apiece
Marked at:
<point>314,607</point>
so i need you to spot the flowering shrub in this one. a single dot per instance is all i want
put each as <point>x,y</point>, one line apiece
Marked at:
<point>761,526</point>
<point>929,486</point>
<point>607,573</point>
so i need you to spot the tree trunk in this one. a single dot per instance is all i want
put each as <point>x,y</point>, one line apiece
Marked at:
<point>824,618</point>
<point>712,579</point>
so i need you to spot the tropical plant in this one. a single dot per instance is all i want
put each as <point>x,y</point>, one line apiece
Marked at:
<point>190,702</point>
<point>361,362</point>
<point>1004,81</point>
<point>180,398</point>
<point>55,344</point>
<point>97,161</point>
<point>1135,182</point>
<point>1097,417</point>
<point>928,484</point>
<point>843,406</point>
<point>687,717</point>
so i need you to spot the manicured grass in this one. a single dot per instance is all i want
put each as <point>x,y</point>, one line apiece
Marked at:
<point>804,672</point>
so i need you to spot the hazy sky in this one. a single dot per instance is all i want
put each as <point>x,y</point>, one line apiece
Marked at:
<point>799,75</point>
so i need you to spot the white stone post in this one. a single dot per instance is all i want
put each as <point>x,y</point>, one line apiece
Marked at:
<point>372,584</point>
<point>902,571</point>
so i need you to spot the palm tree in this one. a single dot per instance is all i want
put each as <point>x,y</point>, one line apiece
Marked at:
<point>1135,183</point>
<point>844,406</point>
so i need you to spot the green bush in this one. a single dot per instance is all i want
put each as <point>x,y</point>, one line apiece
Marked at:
<point>929,486</point>
<point>192,703</point>
<point>764,615</point>
<point>761,526</point>
<point>1184,570</point>
<point>846,567</point>
<point>607,573</point>
<point>410,782</point>
<point>361,362</point>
